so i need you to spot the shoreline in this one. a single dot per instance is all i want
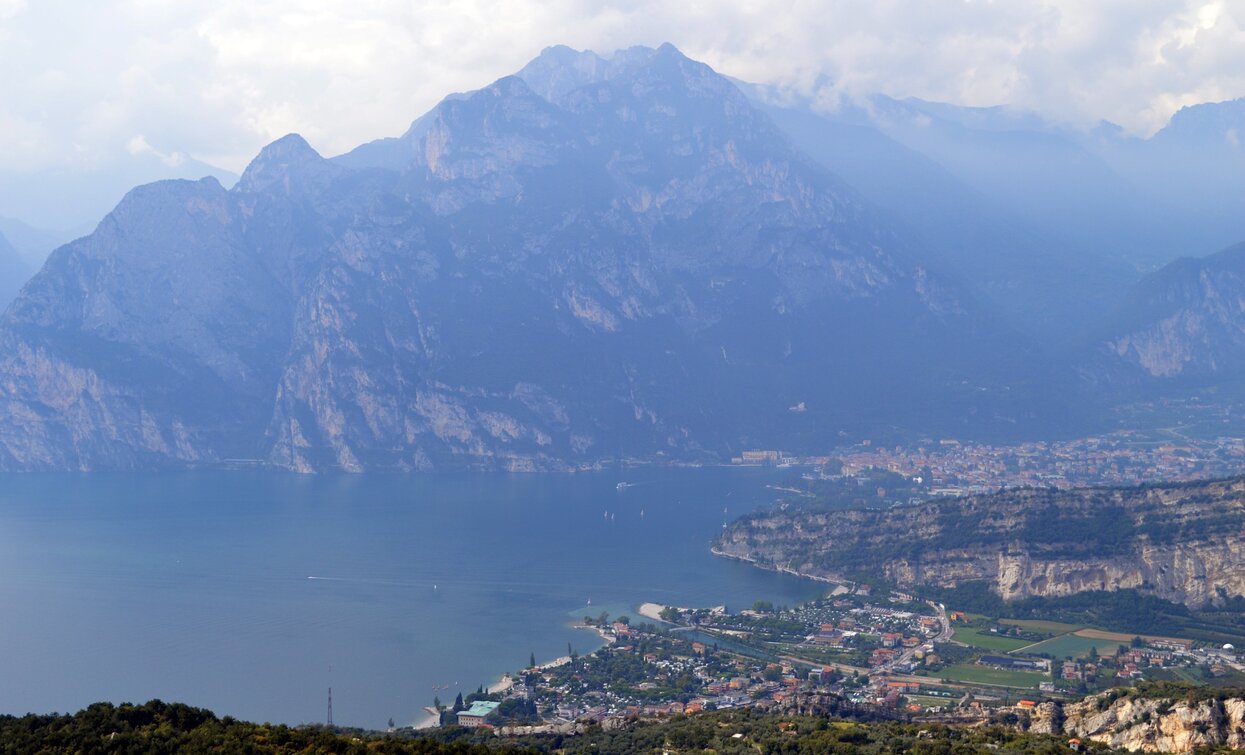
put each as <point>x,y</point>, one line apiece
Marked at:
<point>782,569</point>
<point>505,682</point>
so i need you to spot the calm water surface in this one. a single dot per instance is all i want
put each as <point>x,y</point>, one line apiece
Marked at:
<point>251,594</point>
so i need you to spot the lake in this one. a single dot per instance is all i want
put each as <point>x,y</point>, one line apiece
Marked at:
<point>253,593</point>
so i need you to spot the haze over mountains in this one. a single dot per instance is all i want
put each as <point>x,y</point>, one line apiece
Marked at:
<point>13,271</point>
<point>598,258</point>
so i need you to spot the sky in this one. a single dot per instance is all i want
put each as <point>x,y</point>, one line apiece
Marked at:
<point>92,81</point>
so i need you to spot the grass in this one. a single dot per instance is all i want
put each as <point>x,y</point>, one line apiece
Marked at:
<point>982,638</point>
<point>1075,646</point>
<point>1040,625</point>
<point>974,674</point>
<point>931,702</point>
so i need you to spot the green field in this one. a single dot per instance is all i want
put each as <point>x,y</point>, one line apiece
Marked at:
<point>931,702</point>
<point>1039,625</point>
<point>979,637</point>
<point>974,674</point>
<point>1070,645</point>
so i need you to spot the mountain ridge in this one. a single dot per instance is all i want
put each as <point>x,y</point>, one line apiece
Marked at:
<point>539,285</point>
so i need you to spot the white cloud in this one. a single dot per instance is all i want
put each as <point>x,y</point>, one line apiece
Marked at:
<point>219,78</point>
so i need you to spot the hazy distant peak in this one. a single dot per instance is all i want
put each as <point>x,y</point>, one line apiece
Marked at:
<point>1208,124</point>
<point>559,70</point>
<point>287,161</point>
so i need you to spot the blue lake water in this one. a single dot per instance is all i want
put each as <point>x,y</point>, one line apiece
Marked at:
<point>197,587</point>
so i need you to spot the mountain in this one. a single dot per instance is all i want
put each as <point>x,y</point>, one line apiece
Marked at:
<point>72,199</point>
<point>32,244</point>
<point>597,258</point>
<point>1195,166</point>
<point>1180,542</point>
<point>13,272</point>
<point>1046,285</point>
<point>1181,325</point>
<point>1044,176</point>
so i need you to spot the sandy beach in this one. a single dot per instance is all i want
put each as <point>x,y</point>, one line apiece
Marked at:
<point>652,611</point>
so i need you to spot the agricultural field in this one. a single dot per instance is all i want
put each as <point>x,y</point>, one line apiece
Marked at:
<point>1039,625</point>
<point>974,674</point>
<point>980,637</point>
<point>1075,646</point>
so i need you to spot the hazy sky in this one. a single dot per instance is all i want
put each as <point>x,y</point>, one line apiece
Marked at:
<point>87,80</point>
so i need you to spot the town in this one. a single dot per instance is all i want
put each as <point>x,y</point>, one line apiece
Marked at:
<point>949,467</point>
<point>890,654</point>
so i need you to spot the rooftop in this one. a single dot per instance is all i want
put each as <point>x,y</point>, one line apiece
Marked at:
<point>480,708</point>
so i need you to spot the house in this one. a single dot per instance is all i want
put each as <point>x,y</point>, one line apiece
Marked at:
<point>1026,704</point>
<point>880,656</point>
<point>474,716</point>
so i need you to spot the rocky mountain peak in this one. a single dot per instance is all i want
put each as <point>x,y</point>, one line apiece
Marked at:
<point>561,69</point>
<point>286,164</point>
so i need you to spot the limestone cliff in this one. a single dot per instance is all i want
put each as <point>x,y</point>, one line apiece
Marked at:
<point>1184,543</point>
<point>1141,723</point>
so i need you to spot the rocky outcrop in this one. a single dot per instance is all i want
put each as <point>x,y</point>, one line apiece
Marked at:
<point>1140,723</point>
<point>1185,543</point>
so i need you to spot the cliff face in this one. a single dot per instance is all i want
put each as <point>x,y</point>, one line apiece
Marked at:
<point>1183,324</point>
<point>589,266</point>
<point>1147,724</point>
<point>1185,543</point>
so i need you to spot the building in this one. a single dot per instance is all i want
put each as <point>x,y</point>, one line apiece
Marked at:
<point>474,716</point>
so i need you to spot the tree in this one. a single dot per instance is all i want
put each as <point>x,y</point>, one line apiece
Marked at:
<point>390,722</point>
<point>604,618</point>
<point>436,703</point>
<point>458,703</point>
<point>625,620</point>
<point>531,661</point>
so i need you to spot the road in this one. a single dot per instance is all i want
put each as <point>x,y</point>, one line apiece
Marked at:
<point>901,659</point>
<point>888,669</point>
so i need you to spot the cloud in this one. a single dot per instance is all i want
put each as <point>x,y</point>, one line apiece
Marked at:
<point>139,146</point>
<point>217,79</point>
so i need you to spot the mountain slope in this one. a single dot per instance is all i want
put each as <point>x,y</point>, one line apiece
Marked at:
<point>1047,286</point>
<point>1183,324</point>
<point>626,261</point>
